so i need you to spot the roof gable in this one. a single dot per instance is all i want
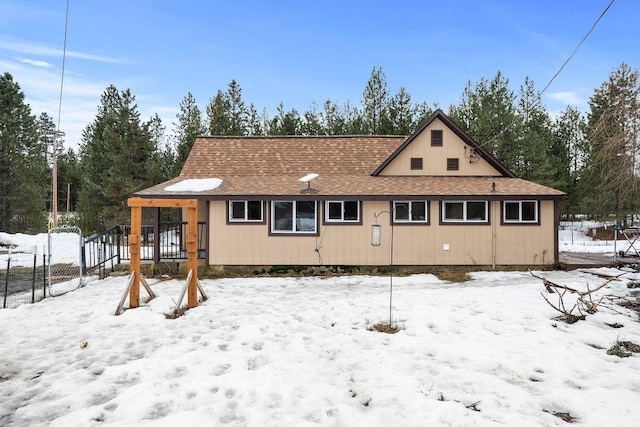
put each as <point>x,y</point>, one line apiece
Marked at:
<point>466,146</point>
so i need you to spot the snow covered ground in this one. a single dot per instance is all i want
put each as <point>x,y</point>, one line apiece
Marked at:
<point>298,351</point>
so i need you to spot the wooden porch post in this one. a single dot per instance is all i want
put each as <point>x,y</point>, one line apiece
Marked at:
<point>192,254</point>
<point>134,243</point>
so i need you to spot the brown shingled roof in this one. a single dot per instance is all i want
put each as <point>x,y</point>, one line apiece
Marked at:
<point>270,167</point>
<point>363,186</point>
<point>287,155</point>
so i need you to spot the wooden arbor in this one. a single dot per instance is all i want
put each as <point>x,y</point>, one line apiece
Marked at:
<point>136,204</point>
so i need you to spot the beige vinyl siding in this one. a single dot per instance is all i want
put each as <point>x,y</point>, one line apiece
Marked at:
<point>435,158</point>
<point>250,244</point>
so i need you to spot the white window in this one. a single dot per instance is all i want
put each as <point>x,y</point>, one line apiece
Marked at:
<point>342,211</point>
<point>465,211</point>
<point>520,211</point>
<point>293,217</point>
<point>410,211</point>
<point>245,211</point>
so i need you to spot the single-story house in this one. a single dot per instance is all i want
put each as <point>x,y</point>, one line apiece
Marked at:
<point>438,197</point>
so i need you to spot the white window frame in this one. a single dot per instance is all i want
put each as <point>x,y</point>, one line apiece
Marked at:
<point>520,220</point>
<point>246,211</point>
<point>464,212</point>
<point>341,219</point>
<point>410,216</point>
<point>293,219</point>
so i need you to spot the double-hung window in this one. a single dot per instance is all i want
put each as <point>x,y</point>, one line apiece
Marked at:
<point>465,211</point>
<point>342,211</point>
<point>520,211</point>
<point>293,217</point>
<point>410,211</point>
<point>246,211</point>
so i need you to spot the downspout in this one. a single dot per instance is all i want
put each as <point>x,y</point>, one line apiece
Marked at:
<point>207,230</point>
<point>556,216</point>
<point>493,242</point>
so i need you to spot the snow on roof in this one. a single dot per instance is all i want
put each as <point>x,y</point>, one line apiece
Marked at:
<point>195,185</point>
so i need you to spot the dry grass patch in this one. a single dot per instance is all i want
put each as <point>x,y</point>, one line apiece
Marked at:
<point>386,327</point>
<point>453,275</point>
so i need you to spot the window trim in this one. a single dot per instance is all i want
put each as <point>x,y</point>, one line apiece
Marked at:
<point>273,232</point>
<point>503,211</point>
<point>465,221</point>
<point>230,220</point>
<point>326,220</point>
<point>410,221</point>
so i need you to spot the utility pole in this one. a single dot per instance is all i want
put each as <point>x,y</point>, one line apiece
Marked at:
<point>57,142</point>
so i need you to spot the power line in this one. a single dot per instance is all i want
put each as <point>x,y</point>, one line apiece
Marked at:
<point>539,96</point>
<point>593,27</point>
<point>58,133</point>
<point>64,57</point>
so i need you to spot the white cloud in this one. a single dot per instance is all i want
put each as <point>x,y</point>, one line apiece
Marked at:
<point>570,98</point>
<point>35,63</point>
<point>26,47</point>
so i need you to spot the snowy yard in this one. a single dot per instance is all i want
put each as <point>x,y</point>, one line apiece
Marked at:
<point>297,351</point>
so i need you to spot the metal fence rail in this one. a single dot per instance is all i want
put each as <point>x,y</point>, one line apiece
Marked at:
<point>110,248</point>
<point>171,244</point>
<point>102,250</point>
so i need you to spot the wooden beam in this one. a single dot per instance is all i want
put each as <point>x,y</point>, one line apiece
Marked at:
<point>134,245</point>
<point>192,255</point>
<point>162,203</point>
<point>136,204</point>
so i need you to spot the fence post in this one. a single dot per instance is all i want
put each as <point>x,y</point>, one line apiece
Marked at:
<point>100,259</point>
<point>156,235</point>
<point>33,274</point>
<point>6,282</point>
<point>44,274</point>
<point>83,254</point>
<point>118,233</point>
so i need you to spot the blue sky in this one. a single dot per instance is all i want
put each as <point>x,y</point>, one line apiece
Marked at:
<point>297,52</point>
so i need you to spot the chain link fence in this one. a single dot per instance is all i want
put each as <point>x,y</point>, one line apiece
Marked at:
<point>51,266</point>
<point>23,275</point>
<point>64,259</point>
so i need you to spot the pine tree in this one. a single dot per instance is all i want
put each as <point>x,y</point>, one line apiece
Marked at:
<point>256,122</point>
<point>24,174</point>
<point>401,113</point>
<point>333,122</point>
<point>218,114</point>
<point>422,112</point>
<point>186,130</point>
<point>487,113</point>
<point>237,111</point>
<point>70,179</point>
<point>312,121</point>
<point>286,122</point>
<point>375,103</point>
<point>531,157</point>
<point>569,133</point>
<point>354,120</point>
<point>119,157</point>
<point>613,129</point>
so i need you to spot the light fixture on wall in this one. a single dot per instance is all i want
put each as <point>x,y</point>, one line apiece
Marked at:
<point>308,178</point>
<point>375,234</point>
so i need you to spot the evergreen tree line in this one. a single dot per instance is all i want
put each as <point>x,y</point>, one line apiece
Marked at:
<point>592,157</point>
